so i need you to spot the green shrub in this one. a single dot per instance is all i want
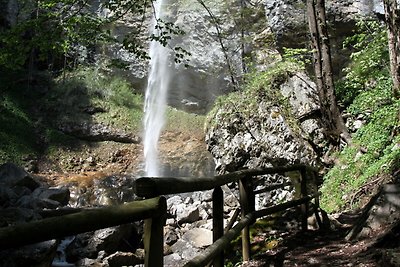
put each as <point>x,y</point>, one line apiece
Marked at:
<point>355,168</point>
<point>369,61</point>
<point>259,86</point>
<point>366,89</point>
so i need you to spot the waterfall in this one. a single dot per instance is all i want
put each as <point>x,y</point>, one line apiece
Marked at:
<point>155,97</point>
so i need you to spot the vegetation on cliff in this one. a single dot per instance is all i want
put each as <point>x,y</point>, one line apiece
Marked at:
<point>34,110</point>
<point>366,92</point>
<point>259,86</point>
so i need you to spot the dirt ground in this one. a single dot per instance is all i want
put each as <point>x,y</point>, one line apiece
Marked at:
<point>328,248</point>
<point>96,160</point>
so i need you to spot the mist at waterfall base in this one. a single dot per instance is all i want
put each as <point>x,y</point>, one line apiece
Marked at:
<point>155,98</point>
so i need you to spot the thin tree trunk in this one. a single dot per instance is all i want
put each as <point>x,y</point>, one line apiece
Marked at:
<point>331,117</point>
<point>242,32</point>
<point>220,39</point>
<point>393,28</point>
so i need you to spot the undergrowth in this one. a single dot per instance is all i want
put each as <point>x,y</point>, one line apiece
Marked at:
<point>366,90</point>
<point>259,86</point>
<point>17,135</point>
<point>87,88</point>
<point>33,107</point>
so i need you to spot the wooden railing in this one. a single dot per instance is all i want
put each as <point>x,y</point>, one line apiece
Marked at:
<point>155,186</point>
<point>153,211</point>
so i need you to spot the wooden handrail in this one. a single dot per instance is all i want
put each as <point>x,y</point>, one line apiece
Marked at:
<point>222,243</point>
<point>156,186</point>
<point>271,187</point>
<point>284,206</point>
<point>153,211</point>
<point>80,222</point>
<point>217,247</point>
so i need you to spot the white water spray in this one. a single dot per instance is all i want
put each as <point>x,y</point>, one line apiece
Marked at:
<point>155,98</point>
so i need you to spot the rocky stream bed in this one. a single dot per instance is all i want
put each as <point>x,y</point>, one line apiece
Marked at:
<point>26,197</point>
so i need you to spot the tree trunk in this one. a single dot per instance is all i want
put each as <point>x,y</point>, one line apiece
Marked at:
<point>392,17</point>
<point>331,117</point>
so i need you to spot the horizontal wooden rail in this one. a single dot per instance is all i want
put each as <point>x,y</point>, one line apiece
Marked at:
<point>222,243</point>
<point>80,222</point>
<point>153,211</point>
<point>156,186</point>
<point>283,206</point>
<point>271,187</point>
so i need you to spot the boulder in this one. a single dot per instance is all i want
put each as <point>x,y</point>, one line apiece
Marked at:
<point>172,260</point>
<point>170,235</point>
<point>199,237</point>
<point>119,258</point>
<point>109,240</point>
<point>185,249</point>
<point>379,215</point>
<point>268,134</point>
<point>36,255</point>
<point>13,175</point>
<point>60,195</point>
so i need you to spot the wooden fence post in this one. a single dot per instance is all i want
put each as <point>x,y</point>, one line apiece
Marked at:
<point>154,236</point>
<point>218,222</point>
<point>247,205</point>
<point>304,207</point>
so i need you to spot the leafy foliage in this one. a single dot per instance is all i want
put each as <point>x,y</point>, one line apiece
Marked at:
<point>50,32</point>
<point>90,87</point>
<point>300,56</point>
<point>49,28</point>
<point>369,61</point>
<point>355,169</point>
<point>366,89</point>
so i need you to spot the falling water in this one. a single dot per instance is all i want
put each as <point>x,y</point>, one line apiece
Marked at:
<point>155,98</point>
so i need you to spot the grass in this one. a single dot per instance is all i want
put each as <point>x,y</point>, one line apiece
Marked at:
<point>190,123</point>
<point>30,113</point>
<point>17,127</point>
<point>83,88</point>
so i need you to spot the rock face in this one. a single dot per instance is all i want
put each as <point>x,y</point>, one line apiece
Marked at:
<point>97,132</point>
<point>239,139</point>
<point>253,130</point>
<point>281,23</point>
<point>288,21</point>
<point>195,88</point>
